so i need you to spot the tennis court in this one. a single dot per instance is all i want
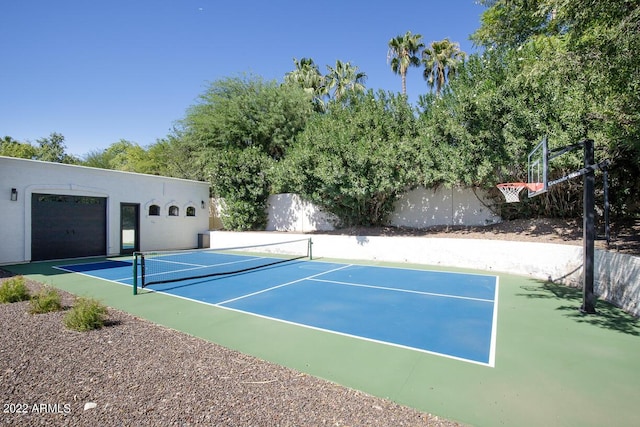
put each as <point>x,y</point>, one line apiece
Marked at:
<point>453,315</point>
<point>553,366</point>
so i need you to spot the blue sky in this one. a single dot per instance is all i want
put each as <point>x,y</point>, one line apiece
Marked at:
<point>99,71</point>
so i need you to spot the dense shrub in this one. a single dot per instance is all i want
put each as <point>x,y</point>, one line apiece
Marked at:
<point>86,314</point>
<point>46,301</point>
<point>14,290</point>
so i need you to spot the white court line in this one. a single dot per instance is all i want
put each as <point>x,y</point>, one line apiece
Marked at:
<point>386,288</point>
<point>494,327</point>
<point>166,261</point>
<point>345,334</point>
<point>494,330</point>
<point>283,284</point>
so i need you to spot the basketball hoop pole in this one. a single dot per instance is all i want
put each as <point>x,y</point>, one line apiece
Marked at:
<point>588,218</point>
<point>589,230</point>
<point>511,190</point>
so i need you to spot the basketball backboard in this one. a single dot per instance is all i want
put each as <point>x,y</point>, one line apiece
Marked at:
<point>537,169</point>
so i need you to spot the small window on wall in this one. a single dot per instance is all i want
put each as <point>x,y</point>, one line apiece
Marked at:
<point>174,211</point>
<point>154,210</point>
<point>191,211</point>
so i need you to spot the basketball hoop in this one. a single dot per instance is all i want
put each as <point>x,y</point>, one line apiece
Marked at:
<point>511,190</point>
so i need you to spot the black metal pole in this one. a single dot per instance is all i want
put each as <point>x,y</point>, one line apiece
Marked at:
<point>607,229</point>
<point>589,231</point>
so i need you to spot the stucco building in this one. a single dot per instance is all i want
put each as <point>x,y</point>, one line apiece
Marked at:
<point>56,211</point>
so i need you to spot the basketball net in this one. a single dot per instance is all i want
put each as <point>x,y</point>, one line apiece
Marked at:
<point>511,190</point>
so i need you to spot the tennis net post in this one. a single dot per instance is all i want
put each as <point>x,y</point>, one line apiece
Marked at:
<point>135,273</point>
<point>138,280</point>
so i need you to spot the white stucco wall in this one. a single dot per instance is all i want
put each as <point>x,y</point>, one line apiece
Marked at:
<point>288,212</point>
<point>418,208</point>
<point>426,207</point>
<point>617,276</point>
<point>156,232</point>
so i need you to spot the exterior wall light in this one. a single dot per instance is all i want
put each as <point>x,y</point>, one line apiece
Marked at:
<point>202,204</point>
<point>14,195</point>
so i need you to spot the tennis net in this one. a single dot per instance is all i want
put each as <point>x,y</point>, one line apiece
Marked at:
<point>156,267</point>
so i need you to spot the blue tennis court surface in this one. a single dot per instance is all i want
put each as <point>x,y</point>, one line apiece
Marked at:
<point>449,314</point>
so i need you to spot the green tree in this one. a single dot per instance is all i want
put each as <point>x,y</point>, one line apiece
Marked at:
<point>122,155</point>
<point>11,148</point>
<point>511,23</point>
<point>441,61</point>
<point>53,149</point>
<point>344,78</point>
<point>403,53</point>
<point>595,64</point>
<point>97,159</point>
<point>307,76</point>
<point>245,113</point>
<point>240,178</point>
<point>171,156</point>
<point>236,133</point>
<point>356,159</point>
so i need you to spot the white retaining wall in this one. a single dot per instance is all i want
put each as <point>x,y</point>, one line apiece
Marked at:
<point>288,212</point>
<point>426,207</point>
<point>418,208</point>
<point>617,275</point>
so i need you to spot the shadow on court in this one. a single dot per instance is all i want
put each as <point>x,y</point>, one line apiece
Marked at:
<point>608,315</point>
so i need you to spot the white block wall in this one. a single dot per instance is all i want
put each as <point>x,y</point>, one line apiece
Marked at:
<point>418,208</point>
<point>288,212</point>
<point>426,207</point>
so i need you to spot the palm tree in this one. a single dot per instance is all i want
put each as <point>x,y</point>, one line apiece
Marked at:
<point>344,78</point>
<point>441,61</point>
<point>306,75</point>
<point>402,54</point>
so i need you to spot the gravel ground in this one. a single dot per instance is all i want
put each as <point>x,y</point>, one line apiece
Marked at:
<point>140,374</point>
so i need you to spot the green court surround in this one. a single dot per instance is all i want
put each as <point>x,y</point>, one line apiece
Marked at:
<point>554,366</point>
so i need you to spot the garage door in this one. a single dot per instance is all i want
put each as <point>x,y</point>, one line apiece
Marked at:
<point>67,226</point>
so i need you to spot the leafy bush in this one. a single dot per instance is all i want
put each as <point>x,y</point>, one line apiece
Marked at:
<point>237,131</point>
<point>14,290</point>
<point>46,301</point>
<point>86,314</point>
<point>238,177</point>
<point>355,160</point>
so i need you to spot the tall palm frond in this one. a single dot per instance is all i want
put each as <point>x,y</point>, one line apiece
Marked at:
<point>441,61</point>
<point>343,78</point>
<point>307,76</point>
<point>402,54</point>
